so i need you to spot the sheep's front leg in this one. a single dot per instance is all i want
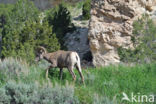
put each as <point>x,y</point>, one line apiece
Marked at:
<point>61,72</point>
<point>47,71</point>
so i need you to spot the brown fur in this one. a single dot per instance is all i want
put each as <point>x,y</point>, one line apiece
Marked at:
<point>61,59</point>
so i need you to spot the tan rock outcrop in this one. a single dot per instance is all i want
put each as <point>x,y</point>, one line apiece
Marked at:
<point>111,27</point>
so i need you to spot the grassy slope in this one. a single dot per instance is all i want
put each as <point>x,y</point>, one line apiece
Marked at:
<point>108,82</point>
<point>112,81</point>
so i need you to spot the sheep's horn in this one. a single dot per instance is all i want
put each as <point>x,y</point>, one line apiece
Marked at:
<point>43,49</point>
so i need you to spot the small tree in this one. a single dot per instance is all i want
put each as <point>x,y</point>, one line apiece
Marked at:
<point>5,9</point>
<point>23,32</point>
<point>34,35</point>
<point>60,19</point>
<point>21,12</point>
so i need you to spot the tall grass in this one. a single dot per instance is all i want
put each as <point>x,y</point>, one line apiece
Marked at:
<point>110,82</point>
<point>102,85</point>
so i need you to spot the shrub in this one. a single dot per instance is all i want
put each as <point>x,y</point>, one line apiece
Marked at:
<point>23,32</point>
<point>21,12</point>
<point>86,10</point>
<point>5,10</point>
<point>4,99</point>
<point>12,69</point>
<point>34,35</point>
<point>60,19</point>
<point>144,42</point>
<point>21,93</point>
<point>59,95</point>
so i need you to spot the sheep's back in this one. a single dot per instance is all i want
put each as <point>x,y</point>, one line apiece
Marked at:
<point>63,58</point>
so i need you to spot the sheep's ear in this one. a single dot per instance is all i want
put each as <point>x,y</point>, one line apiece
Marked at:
<point>42,49</point>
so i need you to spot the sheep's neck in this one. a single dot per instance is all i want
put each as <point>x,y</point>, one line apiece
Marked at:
<point>46,57</point>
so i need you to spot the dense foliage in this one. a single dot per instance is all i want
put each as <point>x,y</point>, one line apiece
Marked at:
<point>86,9</point>
<point>144,41</point>
<point>4,10</point>
<point>60,19</point>
<point>22,32</point>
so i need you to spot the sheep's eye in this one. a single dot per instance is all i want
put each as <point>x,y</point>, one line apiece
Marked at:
<point>37,55</point>
<point>41,51</point>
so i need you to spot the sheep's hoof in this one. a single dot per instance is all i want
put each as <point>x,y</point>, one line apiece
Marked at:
<point>83,82</point>
<point>74,80</point>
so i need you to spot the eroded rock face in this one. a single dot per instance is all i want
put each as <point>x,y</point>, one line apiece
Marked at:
<point>111,27</point>
<point>78,40</point>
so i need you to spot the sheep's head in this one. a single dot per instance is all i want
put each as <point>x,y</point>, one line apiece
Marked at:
<point>39,53</point>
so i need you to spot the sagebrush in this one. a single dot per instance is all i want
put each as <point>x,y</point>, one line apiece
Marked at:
<point>20,93</point>
<point>13,69</point>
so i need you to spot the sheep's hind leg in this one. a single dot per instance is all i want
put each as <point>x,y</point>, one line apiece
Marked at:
<point>78,67</point>
<point>47,71</point>
<point>70,69</point>
<point>61,72</point>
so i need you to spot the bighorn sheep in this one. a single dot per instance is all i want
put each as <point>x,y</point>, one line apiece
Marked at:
<point>61,59</point>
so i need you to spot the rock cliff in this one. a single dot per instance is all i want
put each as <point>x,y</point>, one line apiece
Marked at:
<point>110,27</point>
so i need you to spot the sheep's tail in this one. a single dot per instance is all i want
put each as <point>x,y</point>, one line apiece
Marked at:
<point>78,66</point>
<point>78,60</point>
<point>77,56</point>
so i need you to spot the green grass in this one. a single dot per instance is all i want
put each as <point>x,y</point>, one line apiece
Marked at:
<point>101,84</point>
<point>111,81</point>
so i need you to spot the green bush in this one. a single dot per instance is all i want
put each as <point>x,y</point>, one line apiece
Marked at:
<point>86,10</point>
<point>22,32</point>
<point>20,93</point>
<point>4,11</point>
<point>144,42</point>
<point>34,35</point>
<point>60,19</point>
<point>21,12</point>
